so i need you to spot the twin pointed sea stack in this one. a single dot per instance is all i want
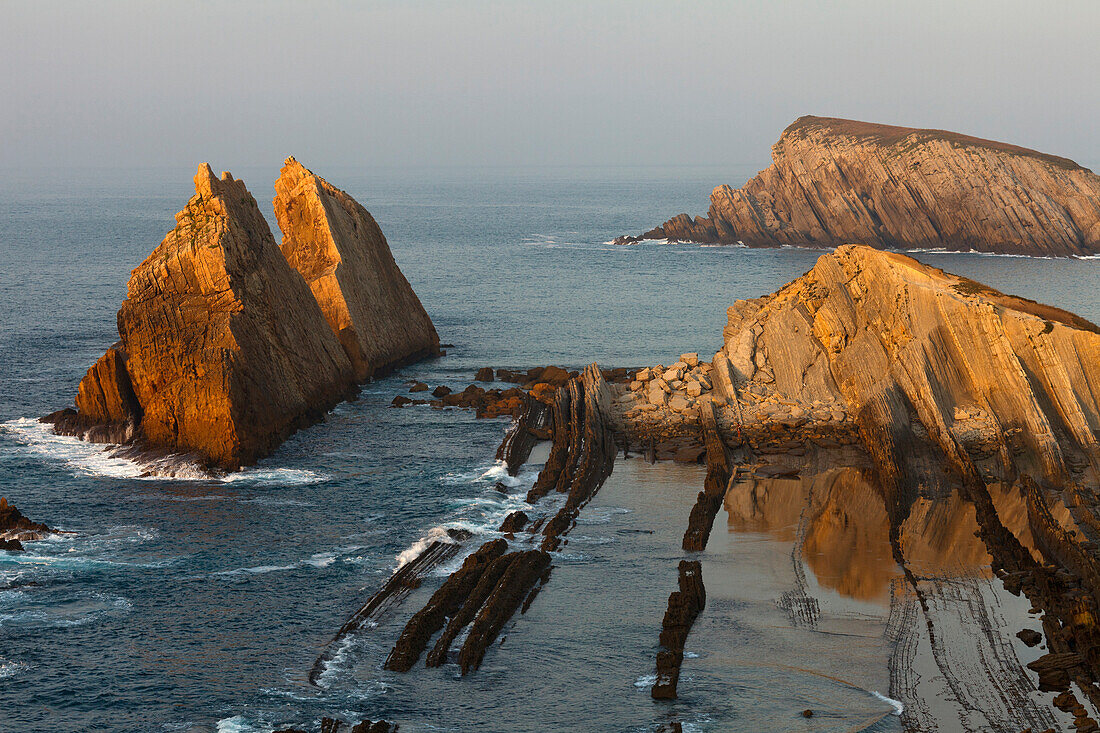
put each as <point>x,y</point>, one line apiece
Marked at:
<point>227,347</point>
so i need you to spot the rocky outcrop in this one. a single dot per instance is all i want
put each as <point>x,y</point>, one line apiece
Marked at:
<point>15,529</point>
<point>222,344</point>
<point>684,606</point>
<point>836,181</point>
<point>225,350</point>
<point>341,252</point>
<point>493,583</point>
<point>909,364</point>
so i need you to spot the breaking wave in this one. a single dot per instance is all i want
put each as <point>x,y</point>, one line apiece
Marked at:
<point>99,459</point>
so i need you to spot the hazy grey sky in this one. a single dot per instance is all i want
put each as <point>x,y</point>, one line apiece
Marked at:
<point>415,82</point>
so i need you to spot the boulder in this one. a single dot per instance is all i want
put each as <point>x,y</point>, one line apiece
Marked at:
<point>658,397</point>
<point>680,403</point>
<point>341,252</point>
<point>691,360</point>
<point>484,374</point>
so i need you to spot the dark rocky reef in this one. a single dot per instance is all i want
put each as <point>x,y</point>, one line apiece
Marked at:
<point>494,582</point>
<point>835,181</point>
<point>684,606</point>
<point>15,529</point>
<point>333,725</point>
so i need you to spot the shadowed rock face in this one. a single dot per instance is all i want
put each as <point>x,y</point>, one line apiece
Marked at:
<point>836,181</point>
<point>223,347</point>
<point>342,254</point>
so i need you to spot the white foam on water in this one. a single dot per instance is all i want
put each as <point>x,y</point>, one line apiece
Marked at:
<point>438,533</point>
<point>897,705</point>
<point>10,669</point>
<point>257,570</point>
<point>98,459</point>
<point>322,559</point>
<point>646,680</point>
<point>498,472</point>
<point>236,724</point>
<point>282,476</point>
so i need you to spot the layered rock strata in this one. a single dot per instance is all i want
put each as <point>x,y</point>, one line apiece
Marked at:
<point>225,350</point>
<point>502,576</point>
<point>341,252</point>
<point>930,383</point>
<point>835,181</point>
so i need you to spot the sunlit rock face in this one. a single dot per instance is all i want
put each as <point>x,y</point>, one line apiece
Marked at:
<point>835,181</point>
<point>931,366</point>
<point>339,249</point>
<point>225,349</point>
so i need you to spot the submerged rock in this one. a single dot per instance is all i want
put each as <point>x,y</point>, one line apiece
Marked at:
<point>836,181</point>
<point>341,252</point>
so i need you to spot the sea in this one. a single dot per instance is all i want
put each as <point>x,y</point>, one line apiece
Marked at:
<point>195,604</point>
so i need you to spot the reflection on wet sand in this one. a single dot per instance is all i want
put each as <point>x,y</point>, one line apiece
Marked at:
<point>950,622</point>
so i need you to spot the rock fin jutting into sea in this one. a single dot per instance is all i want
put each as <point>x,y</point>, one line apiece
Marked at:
<point>341,252</point>
<point>835,181</point>
<point>224,351</point>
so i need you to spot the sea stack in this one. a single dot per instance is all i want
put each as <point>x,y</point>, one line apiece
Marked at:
<point>224,352</point>
<point>341,252</point>
<point>835,181</point>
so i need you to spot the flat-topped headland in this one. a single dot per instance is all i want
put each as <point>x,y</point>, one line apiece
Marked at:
<point>227,344</point>
<point>835,181</point>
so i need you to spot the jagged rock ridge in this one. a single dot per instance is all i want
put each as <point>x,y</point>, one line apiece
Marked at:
<point>836,181</point>
<point>341,252</point>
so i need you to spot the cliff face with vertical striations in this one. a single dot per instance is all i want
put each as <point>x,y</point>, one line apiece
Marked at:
<point>340,251</point>
<point>836,181</point>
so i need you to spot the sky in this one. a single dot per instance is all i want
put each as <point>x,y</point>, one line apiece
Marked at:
<point>561,83</point>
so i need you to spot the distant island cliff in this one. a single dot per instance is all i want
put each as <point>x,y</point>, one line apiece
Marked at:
<point>835,181</point>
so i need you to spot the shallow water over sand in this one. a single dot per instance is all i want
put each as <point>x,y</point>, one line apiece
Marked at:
<point>201,605</point>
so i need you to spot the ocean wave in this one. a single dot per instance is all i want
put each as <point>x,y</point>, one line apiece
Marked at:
<point>236,724</point>
<point>897,705</point>
<point>99,459</point>
<point>645,681</point>
<point>319,560</point>
<point>79,609</point>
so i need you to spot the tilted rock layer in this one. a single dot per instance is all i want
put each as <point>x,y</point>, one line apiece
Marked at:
<point>836,181</point>
<point>340,251</point>
<point>922,370</point>
<point>917,355</point>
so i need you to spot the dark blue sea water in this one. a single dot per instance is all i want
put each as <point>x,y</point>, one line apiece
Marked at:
<point>201,605</point>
